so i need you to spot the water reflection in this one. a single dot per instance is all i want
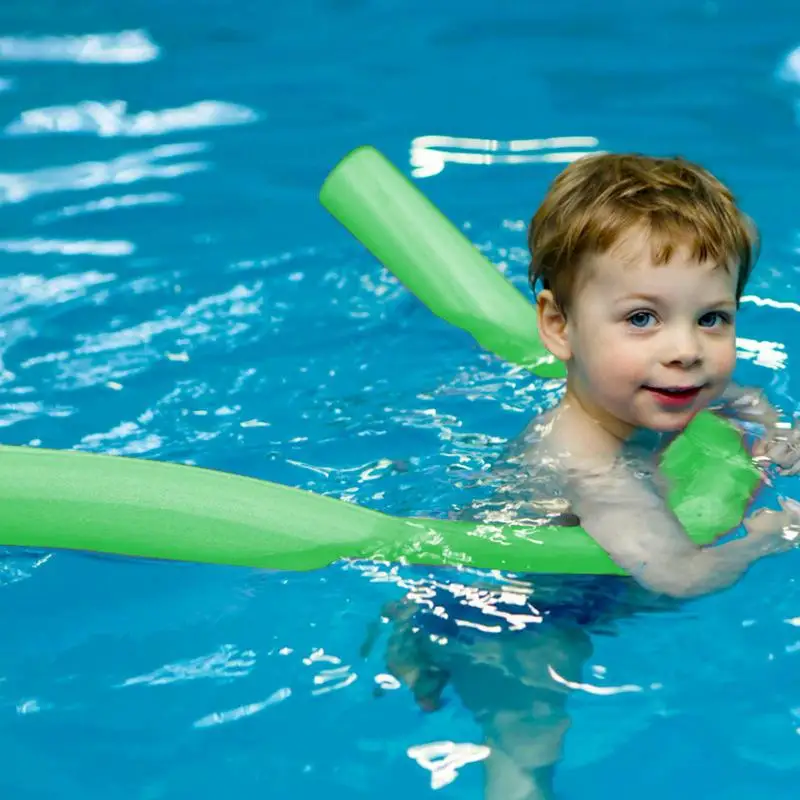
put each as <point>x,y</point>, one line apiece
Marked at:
<point>771,355</point>
<point>444,759</point>
<point>67,247</point>
<point>109,203</point>
<point>124,47</point>
<point>592,688</point>
<point>430,154</point>
<point>127,169</point>
<point>789,70</point>
<point>241,712</point>
<point>112,119</point>
<point>17,564</point>
<point>226,663</point>
<point>786,305</point>
<point>23,291</point>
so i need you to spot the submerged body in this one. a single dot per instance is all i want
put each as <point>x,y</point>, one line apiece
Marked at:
<point>512,646</point>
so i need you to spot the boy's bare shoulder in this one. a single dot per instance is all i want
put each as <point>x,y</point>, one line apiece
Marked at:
<point>571,444</point>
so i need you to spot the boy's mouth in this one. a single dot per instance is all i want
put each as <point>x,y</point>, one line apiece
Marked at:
<point>674,396</point>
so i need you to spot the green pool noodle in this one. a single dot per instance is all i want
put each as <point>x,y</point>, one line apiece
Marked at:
<point>54,499</point>
<point>66,499</point>
<point>413,239</point>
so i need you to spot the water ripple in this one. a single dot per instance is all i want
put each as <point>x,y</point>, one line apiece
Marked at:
<point>25,291</point>
<point>431,153</point>
<point>226,663</point>
<point>109,203</point>
<point>112,119</point>
<point>126,169</point>
<point>124,47</point>
<point>66,247</point>
<point>241,712</point>
<point>444,759</point>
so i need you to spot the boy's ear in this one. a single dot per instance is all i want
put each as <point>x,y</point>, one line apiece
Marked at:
<point>552,326</point>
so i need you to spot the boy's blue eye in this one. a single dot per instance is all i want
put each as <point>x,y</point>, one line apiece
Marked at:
<point>714,318</point>
<point>640,319</point>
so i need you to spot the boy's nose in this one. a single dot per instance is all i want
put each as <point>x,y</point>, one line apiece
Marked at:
<point>684,349</point>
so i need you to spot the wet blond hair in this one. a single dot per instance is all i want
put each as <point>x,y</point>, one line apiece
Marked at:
<point>598,199</point>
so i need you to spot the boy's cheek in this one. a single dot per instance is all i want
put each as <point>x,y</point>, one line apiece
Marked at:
<point>728,360</point>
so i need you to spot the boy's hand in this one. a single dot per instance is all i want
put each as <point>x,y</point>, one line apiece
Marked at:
<point>781,446</point>
<point>781,442</point>
<point>776,531</point>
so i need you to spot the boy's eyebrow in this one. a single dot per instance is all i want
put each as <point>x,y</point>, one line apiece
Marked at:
<point>645,298</point>
<point>653,300</point>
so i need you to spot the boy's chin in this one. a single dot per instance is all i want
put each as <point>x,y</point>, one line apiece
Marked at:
<point>670,423</point>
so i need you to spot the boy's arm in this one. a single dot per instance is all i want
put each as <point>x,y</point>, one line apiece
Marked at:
<point>625,514</point>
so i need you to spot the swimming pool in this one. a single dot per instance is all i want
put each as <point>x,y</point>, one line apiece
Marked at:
<point>171,289</point>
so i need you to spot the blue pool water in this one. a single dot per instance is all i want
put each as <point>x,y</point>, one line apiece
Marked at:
<point>171,289</point>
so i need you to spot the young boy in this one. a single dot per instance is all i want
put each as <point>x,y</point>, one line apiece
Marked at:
<point>642,263</point>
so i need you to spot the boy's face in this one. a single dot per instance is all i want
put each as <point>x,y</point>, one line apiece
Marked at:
<point>650,345</point>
